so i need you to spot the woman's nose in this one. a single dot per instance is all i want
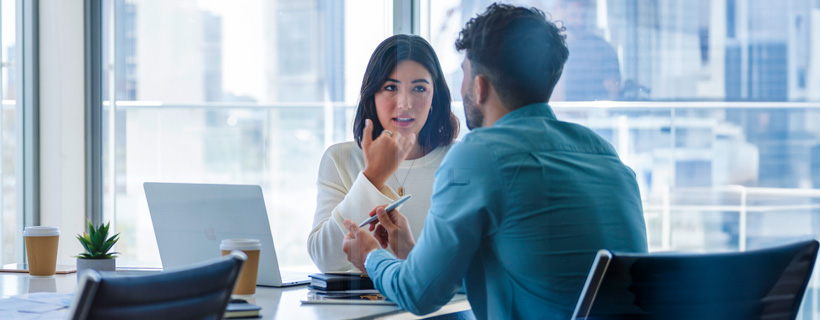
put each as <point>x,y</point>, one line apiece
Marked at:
<point>404,101</point>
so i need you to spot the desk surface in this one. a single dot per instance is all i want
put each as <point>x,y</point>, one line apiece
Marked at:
<point>276,303</point>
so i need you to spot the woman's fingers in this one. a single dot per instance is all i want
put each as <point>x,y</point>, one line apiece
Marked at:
<point>383,155</point>
<point>367,135</point>
<point>405,145</point>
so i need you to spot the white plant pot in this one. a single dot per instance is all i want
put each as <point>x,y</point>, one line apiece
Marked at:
<point>95,264</point>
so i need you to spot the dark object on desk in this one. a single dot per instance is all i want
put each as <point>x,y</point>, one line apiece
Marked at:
<point>239,308</point>
<point>340,292</point>
<point>201,291</point>
<point>338,282</point>
<point>761,284</point>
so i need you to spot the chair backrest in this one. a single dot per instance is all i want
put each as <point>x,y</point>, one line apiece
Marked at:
<point>760,284</point>
<point>201,291</point>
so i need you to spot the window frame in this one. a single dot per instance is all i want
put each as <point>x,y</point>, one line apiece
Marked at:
<point>27,115</point>
<point>93,110</point>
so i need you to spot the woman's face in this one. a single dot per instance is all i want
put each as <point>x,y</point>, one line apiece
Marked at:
<point>405,99</point>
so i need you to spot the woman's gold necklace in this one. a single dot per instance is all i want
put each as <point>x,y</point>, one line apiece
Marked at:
<point>401,185</point>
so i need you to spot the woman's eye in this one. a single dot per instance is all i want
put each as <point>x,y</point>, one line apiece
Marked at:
<point>420,89</point>
<point>390,88</point>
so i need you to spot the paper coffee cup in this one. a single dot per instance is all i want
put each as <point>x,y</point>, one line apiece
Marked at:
<point>246,284</point>
<point>41,249</point>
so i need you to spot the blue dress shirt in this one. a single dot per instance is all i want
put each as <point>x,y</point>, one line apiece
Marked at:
<point>518,212</point>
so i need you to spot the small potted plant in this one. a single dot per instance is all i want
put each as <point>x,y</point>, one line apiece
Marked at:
<point>97,244</point>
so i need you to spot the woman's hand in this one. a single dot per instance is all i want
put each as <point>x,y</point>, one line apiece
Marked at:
<point>393,230</point>
<point>383,155</point>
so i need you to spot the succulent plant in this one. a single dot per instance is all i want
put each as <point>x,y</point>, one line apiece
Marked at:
<point>96,242</point>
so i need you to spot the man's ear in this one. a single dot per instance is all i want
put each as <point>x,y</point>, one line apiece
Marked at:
<point>481,88</point>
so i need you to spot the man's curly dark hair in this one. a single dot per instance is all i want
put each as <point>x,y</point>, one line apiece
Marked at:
<point>518,49</point>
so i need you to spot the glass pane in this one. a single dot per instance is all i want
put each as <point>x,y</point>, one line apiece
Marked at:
<point>713,103</point>
<point>728,50</point>
<point>11,223</point>
<point>238,92</point>
<point>719,111</point>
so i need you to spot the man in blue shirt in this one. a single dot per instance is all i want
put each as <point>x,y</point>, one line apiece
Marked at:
<point>522,204</point>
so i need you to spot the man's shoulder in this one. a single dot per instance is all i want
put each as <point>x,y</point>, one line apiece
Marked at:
<point>582,138</point>
<point>482,139</point>
<point>538,133</point>
<point>489,136</point>
<point>472,148</point>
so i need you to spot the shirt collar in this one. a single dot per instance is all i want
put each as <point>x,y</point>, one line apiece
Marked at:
<point>529,111</point>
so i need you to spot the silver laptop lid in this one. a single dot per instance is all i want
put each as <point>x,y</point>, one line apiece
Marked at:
<point>190,220</point>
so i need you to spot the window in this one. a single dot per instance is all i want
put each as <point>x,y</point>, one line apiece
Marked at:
<point>711,129</point>
<point>12,222</point>
<point>222,92</point>
<point>714,104</point>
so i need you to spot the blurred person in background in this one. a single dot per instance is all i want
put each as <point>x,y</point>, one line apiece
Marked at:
<point>592,71</point>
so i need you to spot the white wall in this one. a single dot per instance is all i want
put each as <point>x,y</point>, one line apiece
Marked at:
<point>62,114</point>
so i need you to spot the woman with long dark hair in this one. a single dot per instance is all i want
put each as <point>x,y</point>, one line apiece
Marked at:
<point>403,128</point>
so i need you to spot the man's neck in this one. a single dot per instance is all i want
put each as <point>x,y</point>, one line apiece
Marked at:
<point>493,109</point>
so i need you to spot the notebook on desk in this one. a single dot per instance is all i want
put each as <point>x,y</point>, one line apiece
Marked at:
<point>339,282</point>
<point>190,221</point>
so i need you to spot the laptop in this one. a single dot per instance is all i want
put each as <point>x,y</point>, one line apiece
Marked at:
<point>190,221</point>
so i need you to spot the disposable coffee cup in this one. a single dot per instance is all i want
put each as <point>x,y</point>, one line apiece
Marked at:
<point>246,284</point>
<point>41,249</point>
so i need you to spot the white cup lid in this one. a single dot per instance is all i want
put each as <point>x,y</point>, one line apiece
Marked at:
<point>240,244</point>
<point>41,231</point>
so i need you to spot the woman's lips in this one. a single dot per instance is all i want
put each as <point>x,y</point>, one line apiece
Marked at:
<point>403,122</point>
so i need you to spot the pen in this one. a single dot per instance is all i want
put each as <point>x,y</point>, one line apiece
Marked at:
<point>389,207</point>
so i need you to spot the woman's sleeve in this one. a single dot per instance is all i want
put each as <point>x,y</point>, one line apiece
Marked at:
<point>334,204</point>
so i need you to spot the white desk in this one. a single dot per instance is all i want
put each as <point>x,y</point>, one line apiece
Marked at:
<point>276,303</point>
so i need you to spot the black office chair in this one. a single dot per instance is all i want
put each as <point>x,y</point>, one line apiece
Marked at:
<point>199,292</point>
<point>760,284</point>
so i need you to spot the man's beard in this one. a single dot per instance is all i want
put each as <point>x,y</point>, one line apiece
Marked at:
<point>474,116</point>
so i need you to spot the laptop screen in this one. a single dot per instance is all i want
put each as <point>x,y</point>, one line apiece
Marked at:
<point>190,221</point>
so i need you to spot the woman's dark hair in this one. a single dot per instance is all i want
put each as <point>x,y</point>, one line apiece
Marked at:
<point>518,49</point>
<point>442,125</point>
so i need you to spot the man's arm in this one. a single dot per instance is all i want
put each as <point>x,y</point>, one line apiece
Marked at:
<point>466,197</point>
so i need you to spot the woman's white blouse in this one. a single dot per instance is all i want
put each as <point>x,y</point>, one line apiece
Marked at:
<point>345,193</point>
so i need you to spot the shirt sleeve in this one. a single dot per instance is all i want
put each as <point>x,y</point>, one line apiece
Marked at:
<point>466,197</point>
<point>334,204</point>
